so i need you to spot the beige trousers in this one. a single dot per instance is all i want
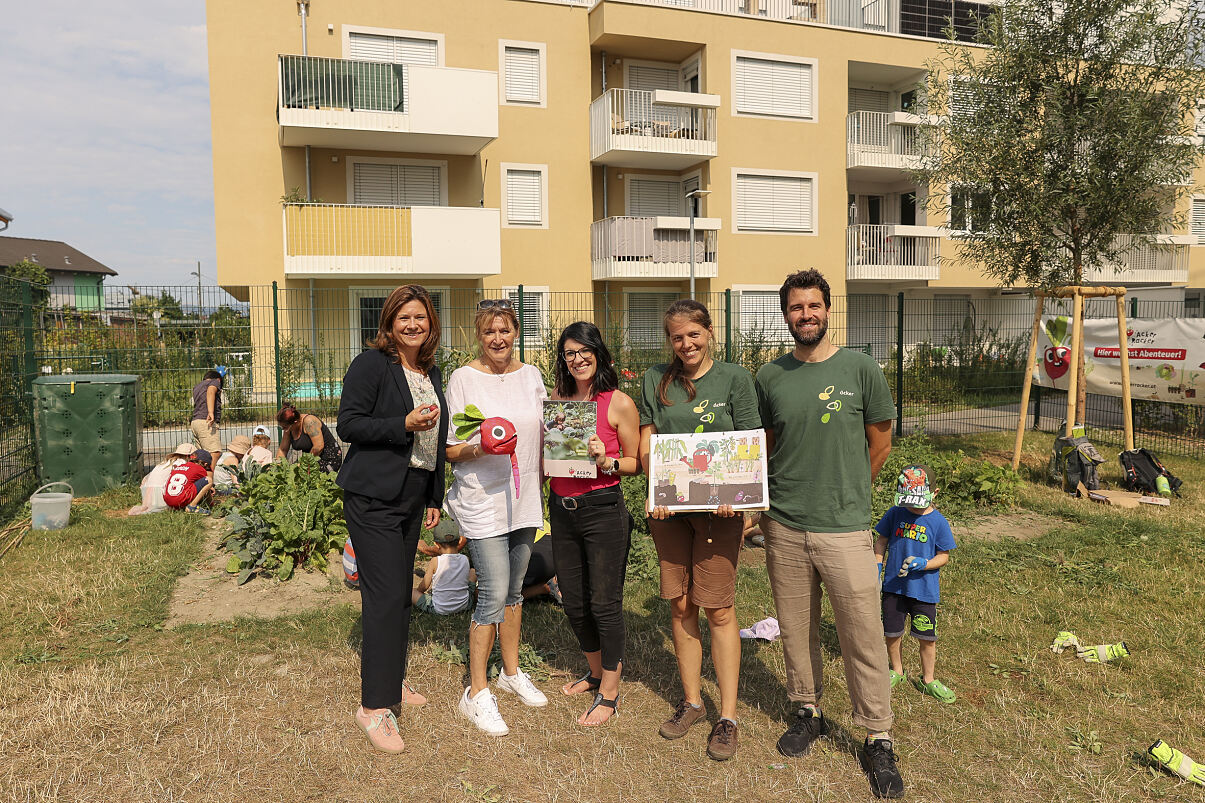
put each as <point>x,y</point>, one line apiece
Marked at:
<point>799,562</point>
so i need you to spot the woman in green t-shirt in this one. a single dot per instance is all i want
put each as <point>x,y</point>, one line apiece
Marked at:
<point>698,551</point>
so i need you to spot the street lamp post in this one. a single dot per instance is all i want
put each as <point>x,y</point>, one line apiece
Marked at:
<point>690,203</point>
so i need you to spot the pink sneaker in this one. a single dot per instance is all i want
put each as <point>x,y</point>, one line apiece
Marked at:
<point>381,730</point>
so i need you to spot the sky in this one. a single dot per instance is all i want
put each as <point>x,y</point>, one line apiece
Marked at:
<point>104,133</point>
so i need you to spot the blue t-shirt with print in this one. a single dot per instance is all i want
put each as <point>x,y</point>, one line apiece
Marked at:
<point>913,535</point>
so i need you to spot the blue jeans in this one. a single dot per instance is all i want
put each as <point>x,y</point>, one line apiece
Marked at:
<point>501,562</point>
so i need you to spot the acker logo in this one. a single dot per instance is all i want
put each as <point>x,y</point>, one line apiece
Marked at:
<point>1140,337</point>
<point>1114,353</point>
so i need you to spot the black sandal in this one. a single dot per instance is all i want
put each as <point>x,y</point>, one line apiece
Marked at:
<point>599,700</point>
<point>592,684</point>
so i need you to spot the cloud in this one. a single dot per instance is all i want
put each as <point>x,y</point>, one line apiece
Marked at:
<point>107,138</point>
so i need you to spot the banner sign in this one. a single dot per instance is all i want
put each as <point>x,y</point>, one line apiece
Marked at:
<point>1167,357</point>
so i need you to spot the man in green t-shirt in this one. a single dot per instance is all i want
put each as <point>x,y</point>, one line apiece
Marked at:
<point>827,413</point>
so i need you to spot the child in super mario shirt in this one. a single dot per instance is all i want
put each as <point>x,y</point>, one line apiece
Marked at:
<point>917,540</point>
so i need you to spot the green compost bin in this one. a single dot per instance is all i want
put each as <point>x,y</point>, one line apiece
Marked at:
<point>89,430</point>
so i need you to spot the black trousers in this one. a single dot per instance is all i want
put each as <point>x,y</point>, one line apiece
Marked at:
<point>385,537</point>
<point>590,548</point>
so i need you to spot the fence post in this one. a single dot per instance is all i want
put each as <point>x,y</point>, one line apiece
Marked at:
<point>29,361</point>
<point>276,342</point>
<point>728,325</point>
<point>1037,405</point>
<point>522,334</point>
<point>899,365</point>
<point>1133,307</point>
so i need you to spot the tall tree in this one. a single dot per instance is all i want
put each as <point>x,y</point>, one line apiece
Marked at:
<point>1067,139</point>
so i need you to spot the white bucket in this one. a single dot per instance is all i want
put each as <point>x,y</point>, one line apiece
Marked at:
<point>50,511</point>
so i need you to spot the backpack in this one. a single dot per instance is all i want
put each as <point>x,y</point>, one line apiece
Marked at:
<point>1140,468</point>
<point>1074,460</point>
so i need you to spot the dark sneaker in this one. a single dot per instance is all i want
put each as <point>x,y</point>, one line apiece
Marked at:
<point>798,739</point>
<point>878,759</point>
<point>684,716</point>
<point>721,744</point>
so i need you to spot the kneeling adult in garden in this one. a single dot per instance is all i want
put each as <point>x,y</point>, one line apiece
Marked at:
<point>392,414</point>
<point>306,433</point>
<point>591,528</point>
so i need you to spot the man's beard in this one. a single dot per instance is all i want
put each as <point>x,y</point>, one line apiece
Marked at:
<point>821,331</point>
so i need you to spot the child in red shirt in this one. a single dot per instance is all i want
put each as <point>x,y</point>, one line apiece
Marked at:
<point>190,481</point>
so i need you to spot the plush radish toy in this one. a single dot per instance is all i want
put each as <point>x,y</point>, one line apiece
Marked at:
<point>498,435</point>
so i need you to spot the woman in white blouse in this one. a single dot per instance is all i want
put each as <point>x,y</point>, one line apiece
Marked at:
<point>499,522</point>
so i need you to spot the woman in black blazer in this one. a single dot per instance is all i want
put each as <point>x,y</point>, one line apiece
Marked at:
<point>392,414</point>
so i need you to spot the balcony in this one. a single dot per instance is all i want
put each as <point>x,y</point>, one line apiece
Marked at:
<point>1165,262</point>
<point>325,241</point>
<point>657,129</point>
<point>652,248</point>
<point>369,105</point>
<point>867,15</point>
<point>892,252</point>
<point>882,145</point>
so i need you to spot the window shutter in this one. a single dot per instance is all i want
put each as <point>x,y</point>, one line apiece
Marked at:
<point>647,79</point>
<point>773,203</point>
<point>761,316</point>
<point>396,185</point>
<point>522,74</point>
<point>524,197</point>
<point>780,88</point>
<point>532,313</point>
<point>869,100</point>
<point>1198,219</point>
<point>649,198</point>
<point>646,313</point>
<point>397,50</point>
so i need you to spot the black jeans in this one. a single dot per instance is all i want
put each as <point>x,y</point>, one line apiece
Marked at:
<point>590,549</point>
<point>385,537</point>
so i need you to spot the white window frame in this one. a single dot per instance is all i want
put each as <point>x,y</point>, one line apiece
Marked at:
<point>542,47</point>
<point>814,64</point>
<point>739,289</point>
<point>355,292</point>
<point>627,314</point>
<point>542,169</point>
<point>751,171</point>
<point>1197,197</point>
<point>348,30</point>
<point>545,296</point>
<point>350,163</point>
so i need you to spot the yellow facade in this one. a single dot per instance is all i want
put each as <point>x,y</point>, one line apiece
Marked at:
<point>253,171</point>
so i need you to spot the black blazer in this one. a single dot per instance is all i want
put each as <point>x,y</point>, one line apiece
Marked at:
<point>372,418</point>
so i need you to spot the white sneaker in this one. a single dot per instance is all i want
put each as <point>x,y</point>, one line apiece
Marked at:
<point>482,709</point>
<point>520,683</point>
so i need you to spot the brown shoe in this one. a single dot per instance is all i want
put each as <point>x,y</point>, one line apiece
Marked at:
<point>684,716</point>
<point>721,744</point>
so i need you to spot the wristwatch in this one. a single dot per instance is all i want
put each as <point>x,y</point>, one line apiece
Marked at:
<point>614,469</point>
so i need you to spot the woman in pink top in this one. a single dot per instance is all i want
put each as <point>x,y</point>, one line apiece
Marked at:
<point>591,528</point>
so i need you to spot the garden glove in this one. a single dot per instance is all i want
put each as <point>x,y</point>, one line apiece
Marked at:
<point>1104,652</point>
<point>1177,763</point>
<point>913,564</point>
<point>1063,641</point>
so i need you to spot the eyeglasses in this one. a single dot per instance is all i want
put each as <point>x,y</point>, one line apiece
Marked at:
<point>488,303</point>
<point>584,352</point>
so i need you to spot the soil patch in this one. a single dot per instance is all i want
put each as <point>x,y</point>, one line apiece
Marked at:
<point>209,594</point>
<point>1022,526</point>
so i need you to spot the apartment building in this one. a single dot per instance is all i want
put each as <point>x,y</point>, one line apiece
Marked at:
<point>570,145</point>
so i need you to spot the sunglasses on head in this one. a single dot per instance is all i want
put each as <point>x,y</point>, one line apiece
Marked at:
<point>488,303</point>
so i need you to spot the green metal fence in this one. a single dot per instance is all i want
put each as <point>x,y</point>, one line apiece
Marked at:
<point>955,364</point>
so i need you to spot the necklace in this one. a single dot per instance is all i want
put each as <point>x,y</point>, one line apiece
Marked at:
<point>500,374</point>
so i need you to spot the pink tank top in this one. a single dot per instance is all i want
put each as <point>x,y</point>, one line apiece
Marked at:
<point>570,486</point>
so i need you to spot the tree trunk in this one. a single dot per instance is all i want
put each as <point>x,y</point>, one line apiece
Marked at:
<point>1081,389</point>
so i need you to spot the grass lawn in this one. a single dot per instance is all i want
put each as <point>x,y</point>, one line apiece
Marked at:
<point>99,702</point>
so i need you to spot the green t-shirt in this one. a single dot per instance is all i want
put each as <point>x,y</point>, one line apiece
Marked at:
<point>724,401</point>
<point>819,469</point>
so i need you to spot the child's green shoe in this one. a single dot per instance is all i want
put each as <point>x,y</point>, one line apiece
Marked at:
<point>937,690</point>
<point>897,678</point>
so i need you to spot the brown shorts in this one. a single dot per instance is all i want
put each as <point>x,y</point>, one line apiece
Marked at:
<point>691,564</point>
<point>206,435</point>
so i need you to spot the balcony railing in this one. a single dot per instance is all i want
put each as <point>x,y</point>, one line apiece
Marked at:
<point>637,128</point>
<point>893,252</point>
<point>355,240</point>
<point>1163,262</point>
<point>867,15</point>
<point>652,248</point>
<point>343,103</point>
<point>887,140</point>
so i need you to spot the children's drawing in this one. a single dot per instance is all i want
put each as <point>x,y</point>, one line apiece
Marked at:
<point>705,470</point>
<point>568,426</point>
